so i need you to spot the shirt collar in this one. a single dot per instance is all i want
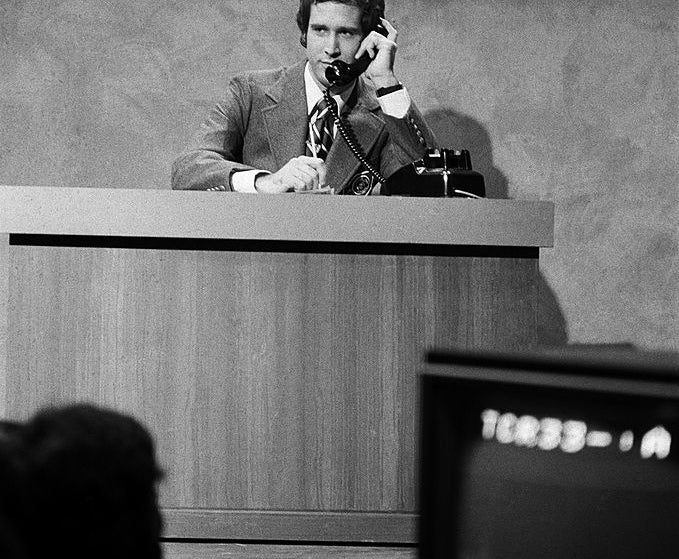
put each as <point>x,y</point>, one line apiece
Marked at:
<point>314,93</point>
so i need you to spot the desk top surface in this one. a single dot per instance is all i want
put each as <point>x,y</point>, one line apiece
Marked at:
<point>41,210</point>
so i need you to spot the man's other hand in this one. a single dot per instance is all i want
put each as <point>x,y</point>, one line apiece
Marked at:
<point>300,173</point>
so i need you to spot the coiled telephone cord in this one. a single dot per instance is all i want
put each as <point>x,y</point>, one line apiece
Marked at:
<point>350,138</point>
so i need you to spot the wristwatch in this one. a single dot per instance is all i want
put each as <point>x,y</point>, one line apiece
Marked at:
<point>382,91</point>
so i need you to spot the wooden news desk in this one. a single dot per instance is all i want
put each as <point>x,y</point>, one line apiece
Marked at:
<point>270,343</point>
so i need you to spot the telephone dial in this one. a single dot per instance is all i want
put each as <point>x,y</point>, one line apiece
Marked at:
<point>441,172</point>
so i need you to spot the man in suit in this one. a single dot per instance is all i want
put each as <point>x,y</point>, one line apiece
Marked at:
<point>266,135</point>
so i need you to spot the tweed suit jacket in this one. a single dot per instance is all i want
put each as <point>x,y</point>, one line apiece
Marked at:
<point>262,124</point>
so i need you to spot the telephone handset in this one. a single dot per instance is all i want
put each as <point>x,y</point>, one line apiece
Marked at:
<point>341,73</point>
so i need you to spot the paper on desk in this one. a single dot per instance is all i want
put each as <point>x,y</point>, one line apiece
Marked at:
<point>324,190</point>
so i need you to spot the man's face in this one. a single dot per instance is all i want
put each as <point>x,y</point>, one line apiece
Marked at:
<point>334,33</point>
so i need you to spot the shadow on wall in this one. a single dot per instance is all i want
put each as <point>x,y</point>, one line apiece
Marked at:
<point>457,131</point>
<point>552,328</point>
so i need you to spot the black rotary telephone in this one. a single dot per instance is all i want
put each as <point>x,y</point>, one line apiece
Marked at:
<point>441,172</point>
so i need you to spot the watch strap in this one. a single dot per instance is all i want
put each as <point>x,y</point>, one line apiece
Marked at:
<point>382,91</point>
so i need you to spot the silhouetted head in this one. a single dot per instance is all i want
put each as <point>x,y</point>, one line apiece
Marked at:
<point>11,493</point>
<point>91,485</point>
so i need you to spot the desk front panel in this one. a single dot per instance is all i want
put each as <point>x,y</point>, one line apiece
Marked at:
<point>270,380</point>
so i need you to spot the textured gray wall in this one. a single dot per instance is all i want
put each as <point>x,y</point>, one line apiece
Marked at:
<point>574,101</point>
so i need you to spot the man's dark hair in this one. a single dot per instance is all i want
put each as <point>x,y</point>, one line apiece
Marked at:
<point>371,12</point>
<point>90,485</point>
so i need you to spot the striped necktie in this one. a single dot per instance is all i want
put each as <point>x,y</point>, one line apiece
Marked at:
<point>321,129</point>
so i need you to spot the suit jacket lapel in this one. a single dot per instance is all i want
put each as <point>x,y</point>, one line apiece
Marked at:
<point>286,118</point>
<point>286,125</point>
<point>341,162</point>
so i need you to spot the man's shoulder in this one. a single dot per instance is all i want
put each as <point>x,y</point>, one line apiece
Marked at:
<point>268,77</point>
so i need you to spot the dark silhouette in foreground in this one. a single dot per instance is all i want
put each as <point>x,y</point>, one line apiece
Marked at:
<point>78,481</point>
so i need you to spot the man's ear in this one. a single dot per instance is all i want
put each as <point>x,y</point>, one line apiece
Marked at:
<point>302,40</point>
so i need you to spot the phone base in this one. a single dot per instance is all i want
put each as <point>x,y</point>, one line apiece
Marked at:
<point>441,173</point>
